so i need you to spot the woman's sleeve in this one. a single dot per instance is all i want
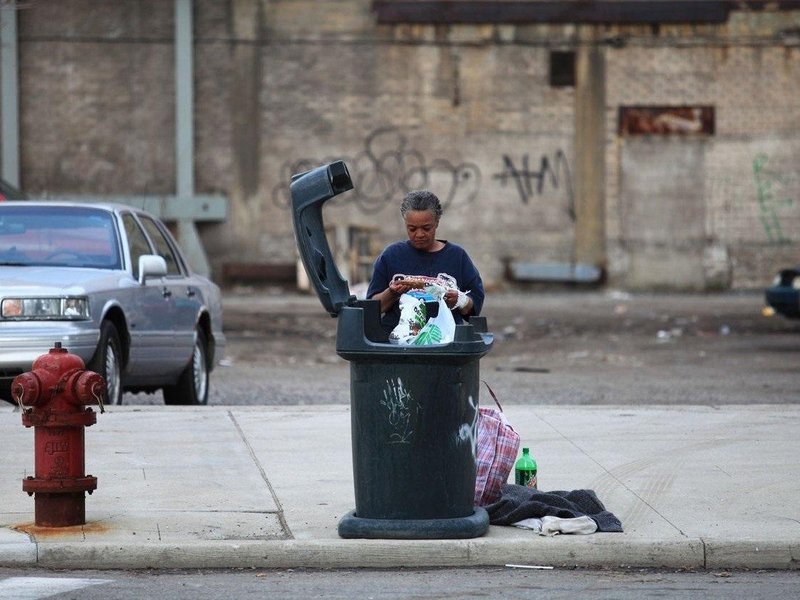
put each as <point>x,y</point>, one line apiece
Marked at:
<point>380,277</point>
<point>472,282</point>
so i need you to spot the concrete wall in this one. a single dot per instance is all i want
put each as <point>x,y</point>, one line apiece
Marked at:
<point>747,172</point>
<point>467,111</point>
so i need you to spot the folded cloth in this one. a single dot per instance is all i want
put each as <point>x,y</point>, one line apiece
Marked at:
<point>518,502</point>
<point>555,525</point>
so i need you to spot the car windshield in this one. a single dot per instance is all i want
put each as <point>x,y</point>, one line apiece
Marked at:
<point>58,236</point>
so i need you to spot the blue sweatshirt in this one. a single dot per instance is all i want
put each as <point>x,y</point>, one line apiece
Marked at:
<point>402,257</point>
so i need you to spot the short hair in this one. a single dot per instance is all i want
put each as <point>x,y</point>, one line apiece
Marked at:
<point>421,200</point>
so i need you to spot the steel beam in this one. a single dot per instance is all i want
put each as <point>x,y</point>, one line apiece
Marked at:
<point>450,12</point>
<point>184,100</point>
<point>184,134</point>
<point>9,105</point>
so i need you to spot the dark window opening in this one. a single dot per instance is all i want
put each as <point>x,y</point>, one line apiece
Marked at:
<point>562,69</point>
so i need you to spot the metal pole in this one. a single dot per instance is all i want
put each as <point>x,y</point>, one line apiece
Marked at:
<point>184,133</point>
<point>184,100</point>
<point>9,107</point>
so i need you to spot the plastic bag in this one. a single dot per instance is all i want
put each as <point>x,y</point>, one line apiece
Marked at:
<point>413,317</point>
<point>414,326</point>
<point>423,282</point>
<point>440,329</point>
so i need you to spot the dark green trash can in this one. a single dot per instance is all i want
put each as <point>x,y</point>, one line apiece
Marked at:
<point>414,409</point>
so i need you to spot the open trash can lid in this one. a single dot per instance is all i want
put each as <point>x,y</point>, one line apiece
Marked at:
<point>310,190</point>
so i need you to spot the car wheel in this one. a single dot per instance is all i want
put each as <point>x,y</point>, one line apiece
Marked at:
<point>107,362</point>
<point>192,386</point>
<point>5,392</point>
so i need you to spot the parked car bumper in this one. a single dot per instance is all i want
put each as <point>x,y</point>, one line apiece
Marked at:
<point>22,343</point>
<point>784,295</point>
<point>784,300</point>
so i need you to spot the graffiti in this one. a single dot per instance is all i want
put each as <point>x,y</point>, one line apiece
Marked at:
<point>556,174</point>
<point>768,204</point>
<point>468,432</point>
<point>402,407</point>
<point>386,169</point>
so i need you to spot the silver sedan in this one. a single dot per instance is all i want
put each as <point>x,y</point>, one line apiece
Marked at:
<point>110,283</point>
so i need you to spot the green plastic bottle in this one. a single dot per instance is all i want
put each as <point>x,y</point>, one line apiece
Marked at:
<point>525,470</point>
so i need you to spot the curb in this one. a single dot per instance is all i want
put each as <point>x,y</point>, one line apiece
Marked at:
<point>558,551</point>
<point>18,554</point>
<point>16,549</point>
<point>363,554</point>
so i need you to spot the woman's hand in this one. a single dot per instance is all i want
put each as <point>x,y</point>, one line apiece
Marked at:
<point>391,294</point>
<point>398,287</point>
<point>450,298</point>
<point>458,300</point>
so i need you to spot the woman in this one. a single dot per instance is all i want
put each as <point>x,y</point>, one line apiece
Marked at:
<point>423,254</point>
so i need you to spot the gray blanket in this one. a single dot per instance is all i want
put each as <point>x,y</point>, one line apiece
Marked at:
<point>519,502</point>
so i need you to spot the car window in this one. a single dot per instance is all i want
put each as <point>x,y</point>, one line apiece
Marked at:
<point>54,235</point>
<point>137,241</point>
<point>163,247</point>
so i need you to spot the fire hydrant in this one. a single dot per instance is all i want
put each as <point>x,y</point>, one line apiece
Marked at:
<point>53,398</point>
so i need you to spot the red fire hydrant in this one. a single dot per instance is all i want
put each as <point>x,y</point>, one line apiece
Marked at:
<point>53,397</point>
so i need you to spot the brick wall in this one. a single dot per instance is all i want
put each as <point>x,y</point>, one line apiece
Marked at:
<point>751,176</point>
<point>282,86</point>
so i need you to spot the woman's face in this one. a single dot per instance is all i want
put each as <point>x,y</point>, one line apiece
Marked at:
<point>421,229</point>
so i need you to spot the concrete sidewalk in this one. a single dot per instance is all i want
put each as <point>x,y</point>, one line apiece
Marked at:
<point>203,487</point>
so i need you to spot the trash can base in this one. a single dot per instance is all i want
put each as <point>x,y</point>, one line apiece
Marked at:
<point>475,525</point>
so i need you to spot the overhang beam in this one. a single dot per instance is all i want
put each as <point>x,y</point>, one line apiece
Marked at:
<point>473,12</point>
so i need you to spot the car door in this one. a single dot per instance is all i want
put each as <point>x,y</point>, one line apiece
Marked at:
<point>150,312</point>
<point>185,297</point>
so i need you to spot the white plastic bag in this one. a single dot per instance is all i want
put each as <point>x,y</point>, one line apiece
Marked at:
<point>414,326</point>
<point>413,316</point>
<point>440,329</point>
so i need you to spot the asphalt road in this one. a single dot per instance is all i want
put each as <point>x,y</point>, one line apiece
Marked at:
<point>630,584</point>
<point>550,348</point>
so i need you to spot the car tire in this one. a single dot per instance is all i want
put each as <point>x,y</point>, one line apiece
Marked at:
<point>107,362</point>
<point>5,393</point>
<point>192,386</point>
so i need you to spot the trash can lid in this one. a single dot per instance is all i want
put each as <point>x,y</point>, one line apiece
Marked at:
<point>310,190</point>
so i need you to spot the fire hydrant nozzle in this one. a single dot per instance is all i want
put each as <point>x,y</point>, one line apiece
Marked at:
<point>25,388</point>
<point>54,396</point>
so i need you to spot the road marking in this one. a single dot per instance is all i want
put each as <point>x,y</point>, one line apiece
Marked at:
<point>34,588</point>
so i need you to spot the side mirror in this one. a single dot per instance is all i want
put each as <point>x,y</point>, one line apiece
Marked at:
<point>151,265</point>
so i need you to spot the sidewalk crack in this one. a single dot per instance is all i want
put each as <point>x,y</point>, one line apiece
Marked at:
<point>259,466</point>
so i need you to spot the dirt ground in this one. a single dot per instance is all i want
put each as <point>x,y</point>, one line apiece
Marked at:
<point>549,348</point>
